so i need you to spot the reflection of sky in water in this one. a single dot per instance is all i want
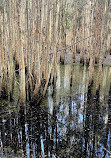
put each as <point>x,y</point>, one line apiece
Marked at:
<point>27,140</point>
<point>42,147</point>
<point>50,104</point>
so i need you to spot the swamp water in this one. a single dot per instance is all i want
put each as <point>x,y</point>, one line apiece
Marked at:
<point>72,122</point>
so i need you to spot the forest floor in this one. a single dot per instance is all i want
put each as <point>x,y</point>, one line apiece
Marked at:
<point>68,58</point>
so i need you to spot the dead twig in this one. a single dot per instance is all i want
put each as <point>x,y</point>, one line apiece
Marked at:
<point>107,151</point>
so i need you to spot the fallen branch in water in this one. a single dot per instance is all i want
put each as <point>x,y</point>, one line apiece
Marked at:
<point>107,151</point>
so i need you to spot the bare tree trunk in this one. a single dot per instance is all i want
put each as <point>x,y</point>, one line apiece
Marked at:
<point>91,65</point>
<point>55,42</point>
<point>98,29</point>
<point>4,91</point>
<point>103,39</point>
<point>83,42</point>
<point>63,32</point>
<point>21,53</point>
<point>11,67</point>
<point>74,31</point>
<point>39,50</point>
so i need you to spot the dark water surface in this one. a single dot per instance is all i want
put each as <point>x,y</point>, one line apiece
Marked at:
<point>73,122</point>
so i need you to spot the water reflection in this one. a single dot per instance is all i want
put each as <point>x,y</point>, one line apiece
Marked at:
<point>75,122</point>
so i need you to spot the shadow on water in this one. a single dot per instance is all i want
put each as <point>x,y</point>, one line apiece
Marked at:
<point>74,122</point>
